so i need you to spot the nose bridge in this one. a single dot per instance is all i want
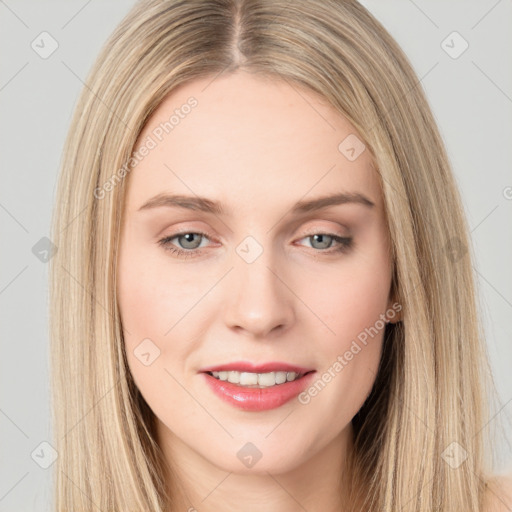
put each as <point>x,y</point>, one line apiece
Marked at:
<point>259,300</point>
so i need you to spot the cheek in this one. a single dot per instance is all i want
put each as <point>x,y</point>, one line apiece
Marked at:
<point>351,298</point>
<point>152,295</point>
<point>140,300</point>
<point>355,304</point>
<point>145,301</point>
<point>353,315</point>
<point>351,303</point>
<point>150,305</point>
<point>161,303</point>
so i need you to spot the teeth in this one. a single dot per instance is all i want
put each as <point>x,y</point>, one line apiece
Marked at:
<point>248,379</point>
<point>291,376</point>
<point>262,380</point>
<point>234,377</point>
<point>266,379</point>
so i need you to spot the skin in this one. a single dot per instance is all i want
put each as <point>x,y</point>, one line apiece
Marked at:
<point>258,147</point>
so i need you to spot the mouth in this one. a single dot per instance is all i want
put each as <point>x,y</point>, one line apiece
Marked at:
<point>263,375</point>
<point>257,387</point>
<point>258,380</point>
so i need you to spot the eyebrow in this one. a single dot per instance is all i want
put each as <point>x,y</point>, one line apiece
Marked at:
<point>206,205</point>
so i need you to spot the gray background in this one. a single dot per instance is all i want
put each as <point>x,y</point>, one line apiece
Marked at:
<point>471,97</point>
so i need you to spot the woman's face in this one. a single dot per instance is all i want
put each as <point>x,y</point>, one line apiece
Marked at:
<point>264,277</point>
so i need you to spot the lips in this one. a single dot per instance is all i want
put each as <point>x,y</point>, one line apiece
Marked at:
<point>245,366</point>
<point>258,398</point>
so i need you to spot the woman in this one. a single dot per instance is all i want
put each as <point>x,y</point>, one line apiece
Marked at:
<point>265,262</point>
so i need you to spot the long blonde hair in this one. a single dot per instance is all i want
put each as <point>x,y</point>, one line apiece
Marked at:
<point>432,386</point>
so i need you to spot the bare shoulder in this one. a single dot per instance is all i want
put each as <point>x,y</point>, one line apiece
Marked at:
<point>498,497</point>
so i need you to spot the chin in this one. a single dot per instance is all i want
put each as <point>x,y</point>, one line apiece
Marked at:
<point>274,464</point>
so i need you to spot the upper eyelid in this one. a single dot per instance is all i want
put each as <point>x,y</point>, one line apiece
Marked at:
<point>307,232</point>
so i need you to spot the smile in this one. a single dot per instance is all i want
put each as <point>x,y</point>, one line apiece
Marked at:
<point>251,395</point>
<point>257,380</point>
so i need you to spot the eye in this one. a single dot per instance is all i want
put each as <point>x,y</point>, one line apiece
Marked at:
<point>191,240</point>
<point>188,240</point>
<point>324,241</point>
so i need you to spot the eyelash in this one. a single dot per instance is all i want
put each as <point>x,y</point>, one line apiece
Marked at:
<point>345,244</point>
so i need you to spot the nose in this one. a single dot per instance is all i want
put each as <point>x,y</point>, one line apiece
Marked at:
<point>259,301</point>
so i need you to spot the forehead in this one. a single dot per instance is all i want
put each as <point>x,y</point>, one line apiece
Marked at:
<point>244,139</point>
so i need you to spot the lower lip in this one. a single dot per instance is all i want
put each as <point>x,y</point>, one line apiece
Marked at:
<point>258,399</point>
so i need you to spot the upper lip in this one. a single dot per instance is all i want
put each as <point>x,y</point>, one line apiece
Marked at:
<point>245,366</point>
